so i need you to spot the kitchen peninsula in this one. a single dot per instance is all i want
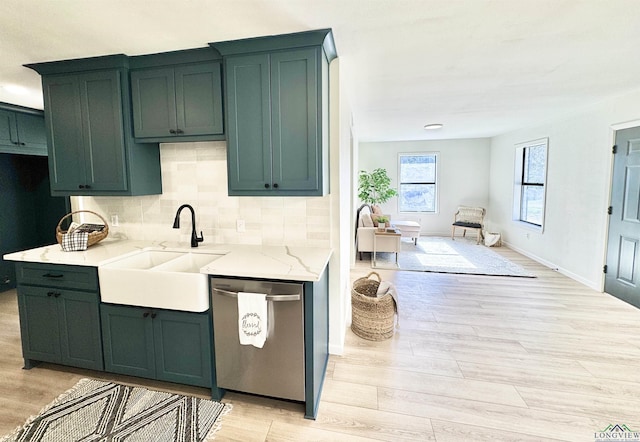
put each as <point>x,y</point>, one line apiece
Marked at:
<point>58,285</point>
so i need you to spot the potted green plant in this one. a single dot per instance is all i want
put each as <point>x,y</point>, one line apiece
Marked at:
<point>383,221</point>
<point>375,187</point>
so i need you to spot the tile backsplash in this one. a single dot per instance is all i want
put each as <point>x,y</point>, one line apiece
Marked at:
<point>196,174</point>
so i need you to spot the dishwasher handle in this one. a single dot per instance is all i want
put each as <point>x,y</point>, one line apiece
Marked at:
<point>230,294</point>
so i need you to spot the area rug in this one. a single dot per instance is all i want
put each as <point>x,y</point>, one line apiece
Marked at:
<point>444,255</point>
<point>105,411</point>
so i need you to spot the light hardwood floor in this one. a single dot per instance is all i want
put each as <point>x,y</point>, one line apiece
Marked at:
<point>474,358</point>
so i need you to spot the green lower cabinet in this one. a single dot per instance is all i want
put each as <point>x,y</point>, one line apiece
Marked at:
<point>60,326</point>
<point>183,347</point>
<point>157,344</point>
<point>127,336</point>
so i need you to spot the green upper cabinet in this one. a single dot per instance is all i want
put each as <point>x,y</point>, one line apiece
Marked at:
<point>177,96</point>
<point>276,94</point>
<point>22,130</point>
<point>88,122</point>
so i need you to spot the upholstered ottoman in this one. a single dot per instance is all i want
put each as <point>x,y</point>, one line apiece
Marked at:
<point>408,229</point>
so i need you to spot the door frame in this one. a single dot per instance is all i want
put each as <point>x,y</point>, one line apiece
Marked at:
<point>612,141</point>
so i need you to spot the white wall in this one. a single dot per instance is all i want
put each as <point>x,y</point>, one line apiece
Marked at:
<point>340,172</point>
<point>463,176</point>
<point>578,187</point>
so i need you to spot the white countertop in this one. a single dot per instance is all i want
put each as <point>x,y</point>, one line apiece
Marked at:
<point>268,262</point>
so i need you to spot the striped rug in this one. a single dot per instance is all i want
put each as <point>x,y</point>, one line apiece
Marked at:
<point>98,410</point>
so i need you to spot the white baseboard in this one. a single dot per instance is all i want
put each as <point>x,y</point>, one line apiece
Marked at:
<point>335,349</point>
<point>555,267</point>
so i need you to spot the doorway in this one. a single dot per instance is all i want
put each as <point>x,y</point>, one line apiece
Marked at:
<point>28,212</point>
<point>623,246</point>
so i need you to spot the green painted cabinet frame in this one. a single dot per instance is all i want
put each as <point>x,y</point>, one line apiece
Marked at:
<point>157,344</point>
<point>177,103</point>
<point>59,323</point>
<point>276,95</point>
<point>88,121</point>
<point>22,130</point>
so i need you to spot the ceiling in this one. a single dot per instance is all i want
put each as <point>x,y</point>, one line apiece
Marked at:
<point>480,67</point>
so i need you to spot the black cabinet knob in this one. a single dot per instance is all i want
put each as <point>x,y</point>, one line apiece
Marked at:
<point>266,185</point>
<point>153,315</point>
<point>84,186</point>
<point>172,131</point>
<point>145,314</point>
<point>180,131</point>
<point>275,185</point>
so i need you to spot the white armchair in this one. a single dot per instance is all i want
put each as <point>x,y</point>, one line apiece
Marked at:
<point>365,229</point>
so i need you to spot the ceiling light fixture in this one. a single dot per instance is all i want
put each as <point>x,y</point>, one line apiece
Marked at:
<point>433,126</point>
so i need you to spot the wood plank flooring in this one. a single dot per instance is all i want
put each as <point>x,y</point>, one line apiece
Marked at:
<point>474,359</point>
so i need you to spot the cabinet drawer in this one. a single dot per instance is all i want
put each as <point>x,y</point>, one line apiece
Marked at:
<point>70,295</point>
<point>57,275</point>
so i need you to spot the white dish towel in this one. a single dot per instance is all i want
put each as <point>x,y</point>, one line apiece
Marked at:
<point>252,318</point>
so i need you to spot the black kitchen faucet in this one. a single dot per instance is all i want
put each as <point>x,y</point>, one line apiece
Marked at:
<point>176,225</point>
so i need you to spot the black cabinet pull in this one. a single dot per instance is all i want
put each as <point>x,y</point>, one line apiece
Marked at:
<point>54,294</point>
<point>180,131</point>
<point>153,315</point>
<point>266,185</point>
<point>50,275</point>
<point>172,131</point>
<point>275,185</point>
<point>22,144</point>
<point>49,293</point>
<point>145,314</point>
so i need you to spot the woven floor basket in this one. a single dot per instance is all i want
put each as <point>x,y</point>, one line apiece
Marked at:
<point>94,237</point>
<point>373,318</point>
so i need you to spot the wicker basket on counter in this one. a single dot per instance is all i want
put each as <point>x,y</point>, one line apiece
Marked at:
<point>373,317</point>
<point>94,237</point>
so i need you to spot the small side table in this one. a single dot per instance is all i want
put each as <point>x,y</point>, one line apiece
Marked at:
<point>391,240</point>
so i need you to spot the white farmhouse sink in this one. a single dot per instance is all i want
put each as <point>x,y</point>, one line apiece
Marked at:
<point>159,279</point>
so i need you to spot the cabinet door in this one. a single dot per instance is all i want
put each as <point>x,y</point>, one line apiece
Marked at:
<point>8,136</point>
<point>31,132</point>
<point>102,124</point>
<point>64,131</point>
<point>80,336</point>
<point>39,324</point>
<point>183,347</point>
<point>295,120</point>
<point>199,99</point>
<point>154,102</point>
<point>127,336</point>
<point>249,124</point>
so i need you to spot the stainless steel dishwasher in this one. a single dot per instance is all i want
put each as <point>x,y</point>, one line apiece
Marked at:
<point>276,369</point>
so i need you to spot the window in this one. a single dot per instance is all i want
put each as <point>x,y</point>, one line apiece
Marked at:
<point>530,182</point>
<point>417,183</point>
